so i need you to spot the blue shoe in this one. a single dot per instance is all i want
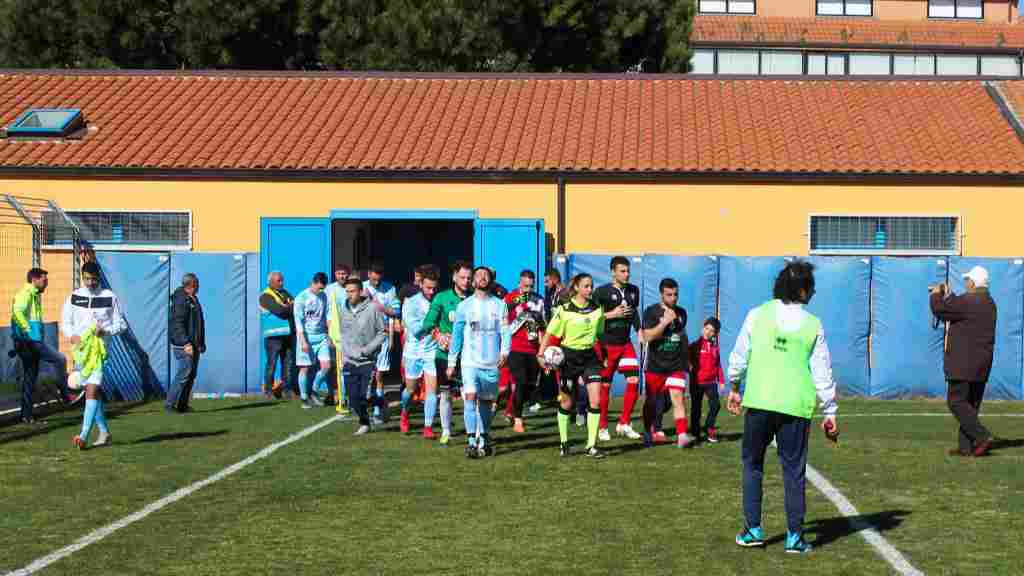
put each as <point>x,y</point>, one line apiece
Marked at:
<point>795,544</point>
<point>750,537</point>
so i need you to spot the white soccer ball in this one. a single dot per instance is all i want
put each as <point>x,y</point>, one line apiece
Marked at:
<point>75,380</point>
<point>554,356</point>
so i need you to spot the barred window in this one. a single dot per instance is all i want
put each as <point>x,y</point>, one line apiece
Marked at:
<point>121,230</point>
<point>895,235</point>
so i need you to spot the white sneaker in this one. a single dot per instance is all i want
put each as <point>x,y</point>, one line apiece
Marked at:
<point>603,435</point>
<point>103,439</point>
<point>581,420</point>
<point>362,430</point>
<point>627,431</point>
<point>684,440</point>
<point>535,408</point>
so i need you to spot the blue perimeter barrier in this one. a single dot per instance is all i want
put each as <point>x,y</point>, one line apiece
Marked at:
<point>874,311</point>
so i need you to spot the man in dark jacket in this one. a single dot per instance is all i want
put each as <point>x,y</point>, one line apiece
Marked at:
<point>277,324</point>
<point>188,342</point>
<point>970,341</point>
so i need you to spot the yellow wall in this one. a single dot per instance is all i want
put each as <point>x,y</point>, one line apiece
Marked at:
<point>226,215</point>
<point>772,219</point>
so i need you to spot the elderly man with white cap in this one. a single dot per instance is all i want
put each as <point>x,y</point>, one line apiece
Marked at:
<point>970,342</point>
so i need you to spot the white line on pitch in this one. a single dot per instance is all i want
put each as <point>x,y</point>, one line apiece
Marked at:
<point>984,415</point>
<point>101,533</point>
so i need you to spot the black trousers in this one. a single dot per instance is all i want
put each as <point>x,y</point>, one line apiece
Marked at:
<point>697,394</point>
<point>964,401</point>
<point>280,349</point>
<point>524,368</point>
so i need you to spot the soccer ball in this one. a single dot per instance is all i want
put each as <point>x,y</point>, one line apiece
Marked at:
<point>554,356</point>
<point>75,380</point>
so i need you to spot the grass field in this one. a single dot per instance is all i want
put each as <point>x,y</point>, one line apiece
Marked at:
<point>387,504</point>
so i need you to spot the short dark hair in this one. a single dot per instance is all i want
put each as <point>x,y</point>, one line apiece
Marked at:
<point>429,272</point>
<point>35,274</point>
<point>320,278</point>
<point>344,267</point>
<point>528,274</point>
<point>714,323</point>
<point>668,283</point>
<point>619,261</point>
<point>554,273</point>
<point>353,280</point>
<point>461,265</point>
<point>91,267</point>
<point>796,276</point>
<point>377,267</point>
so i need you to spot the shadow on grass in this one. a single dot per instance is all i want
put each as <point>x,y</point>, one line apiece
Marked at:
<point>828,530</point>
<point>1005,444</point>
<point>263,404</point>
<point>57,420</point>
<point>178,436</point>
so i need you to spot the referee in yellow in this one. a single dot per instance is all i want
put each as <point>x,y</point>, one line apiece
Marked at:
<point>781,351</point>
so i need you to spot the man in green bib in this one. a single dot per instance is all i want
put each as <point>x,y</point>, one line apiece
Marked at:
<point>781,351</point>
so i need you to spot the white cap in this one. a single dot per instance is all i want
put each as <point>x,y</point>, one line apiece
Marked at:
<point>979,276</point>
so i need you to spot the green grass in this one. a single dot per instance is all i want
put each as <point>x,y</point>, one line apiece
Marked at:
<point>384,504</point>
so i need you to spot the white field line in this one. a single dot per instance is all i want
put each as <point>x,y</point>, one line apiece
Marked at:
<point>101,533</point>
<point>876,540</point>
<point>983,415</point>
<point>37,405</point>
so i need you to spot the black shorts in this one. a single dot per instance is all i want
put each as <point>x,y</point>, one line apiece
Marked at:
<point>443,383</point>
<point>579,364</point>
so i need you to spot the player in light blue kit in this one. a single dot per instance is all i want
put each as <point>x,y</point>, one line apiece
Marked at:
<point>311,337</point>
<point>385,298</point>
<point>418,353</point>
<point>481,336</point>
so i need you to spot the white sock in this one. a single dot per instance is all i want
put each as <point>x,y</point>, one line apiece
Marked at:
<point>446,413</point>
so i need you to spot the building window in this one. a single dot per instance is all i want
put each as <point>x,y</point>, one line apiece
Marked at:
<point>968,9</point>
<point>738,62</point>
<point>118,230</point>
<point>913,64</point>
<point>894,235</point>
<point>956,65</point>
<point>869,64</point>
<point>727,6</point>
<point>702,62</point>
<point>1000,66</point>
<point>844,7</point>
<point>780,62</point>
<point>47,122</point>
<point>833,64</point>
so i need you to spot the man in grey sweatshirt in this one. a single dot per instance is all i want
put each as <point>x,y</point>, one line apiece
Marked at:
<point>363,332</point>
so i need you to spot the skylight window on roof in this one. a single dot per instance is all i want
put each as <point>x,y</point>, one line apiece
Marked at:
<point>47,122</point>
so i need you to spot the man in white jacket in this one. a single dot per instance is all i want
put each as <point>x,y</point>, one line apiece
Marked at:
<point>92,307</point>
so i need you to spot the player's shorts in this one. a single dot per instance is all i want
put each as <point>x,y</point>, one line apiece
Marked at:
<point>384,358</point>
<point>480,381</point>
<point>579,364</point>
<point>319,349</point>
<point>417,367</point>
<point>443,382</point>
<point>619,358</point>
<point>657,381</point>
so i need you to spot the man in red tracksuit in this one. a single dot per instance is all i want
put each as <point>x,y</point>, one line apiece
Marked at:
<point>706,378</point>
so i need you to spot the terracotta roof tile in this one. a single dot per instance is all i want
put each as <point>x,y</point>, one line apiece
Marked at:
<point>833,31</point>
<point>521,124</point>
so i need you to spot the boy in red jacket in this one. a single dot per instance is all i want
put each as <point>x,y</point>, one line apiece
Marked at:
<point>706,377</point>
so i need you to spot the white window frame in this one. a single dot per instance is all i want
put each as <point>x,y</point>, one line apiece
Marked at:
<point>727,9</point>
<point>957,251</point>
<point>111,247</point>
<point>871,5</point>
<point>956,12</point>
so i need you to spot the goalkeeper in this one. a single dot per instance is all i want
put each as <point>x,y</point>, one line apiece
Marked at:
<point>577,323</point>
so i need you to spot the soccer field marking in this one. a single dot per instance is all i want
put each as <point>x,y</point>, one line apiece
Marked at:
<point>101,533</point>
<point>872,536</point>
<point>13,410</point>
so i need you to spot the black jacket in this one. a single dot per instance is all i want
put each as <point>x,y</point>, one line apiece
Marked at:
<point>186,323</point>
<point>972,334</point>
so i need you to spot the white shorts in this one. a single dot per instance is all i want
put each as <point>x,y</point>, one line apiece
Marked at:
<point>416,367</point>
<point>480,381</point>
<point>319,348</point>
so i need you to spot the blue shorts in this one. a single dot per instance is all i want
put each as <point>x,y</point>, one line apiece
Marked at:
<point>416,367</point>
<point>319,348</point>
<point>480,381</point>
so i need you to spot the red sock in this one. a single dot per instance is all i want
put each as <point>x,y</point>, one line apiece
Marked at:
<point>680,426</point>
<point>605,393</point>
<point>628,403</point>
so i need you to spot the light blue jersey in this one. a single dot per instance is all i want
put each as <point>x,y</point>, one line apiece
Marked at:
<point>384,294</point>
<point>311,314</point>
<point>413,313</point>
<point>480,333</point>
